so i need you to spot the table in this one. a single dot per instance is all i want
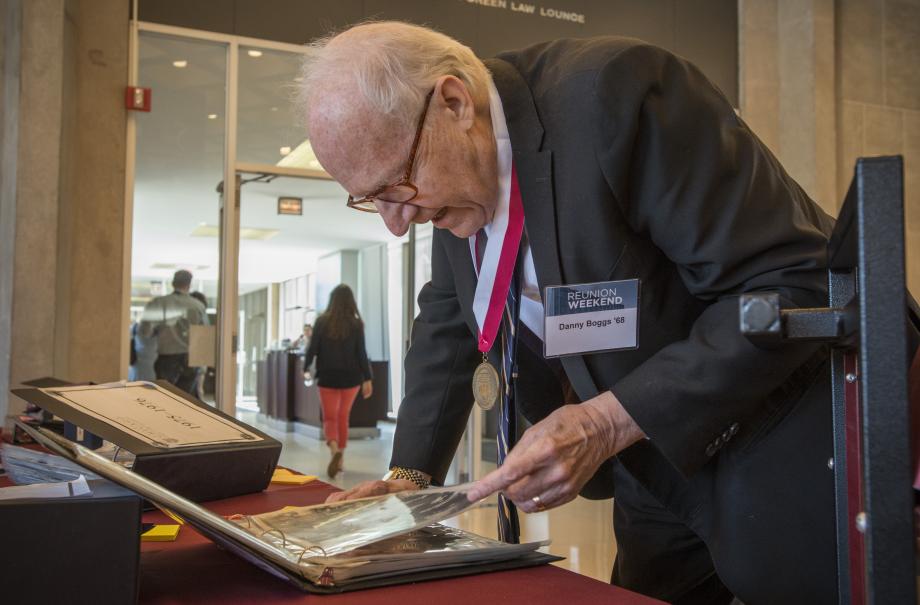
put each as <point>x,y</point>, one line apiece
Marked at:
<point>194,570</point>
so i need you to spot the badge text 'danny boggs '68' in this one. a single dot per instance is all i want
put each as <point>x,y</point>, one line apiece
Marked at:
<point>589,318</point>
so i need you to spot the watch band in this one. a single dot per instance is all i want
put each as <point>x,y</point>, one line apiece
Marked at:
<point>416,477</point>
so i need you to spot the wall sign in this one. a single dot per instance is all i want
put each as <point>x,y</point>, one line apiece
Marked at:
<point>290,205</point>
<point>531,9</point>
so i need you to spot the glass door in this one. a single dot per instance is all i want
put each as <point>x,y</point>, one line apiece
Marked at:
<point>176,219</point>
<point>298,241</point>
<point>224,112</point>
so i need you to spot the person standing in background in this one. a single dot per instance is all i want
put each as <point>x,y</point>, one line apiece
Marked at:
<point>169,317</point>
<point>144,355</point>
<point>342,368</point>
<point>303,341</point>
<point>200,297</point>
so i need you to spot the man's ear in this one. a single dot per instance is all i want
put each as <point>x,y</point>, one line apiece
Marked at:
<point>453,97</point>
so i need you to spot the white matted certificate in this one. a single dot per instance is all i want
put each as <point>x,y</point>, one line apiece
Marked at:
<point>152,414</point>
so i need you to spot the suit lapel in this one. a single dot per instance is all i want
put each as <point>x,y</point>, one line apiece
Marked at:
<point>535,175</point>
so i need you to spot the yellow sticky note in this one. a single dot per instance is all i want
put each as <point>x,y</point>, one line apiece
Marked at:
<point>161,533</point>
<point>170,514</point>
<point>285,477</point>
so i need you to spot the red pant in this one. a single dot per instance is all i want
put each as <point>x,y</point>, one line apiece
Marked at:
<point>336,408</point>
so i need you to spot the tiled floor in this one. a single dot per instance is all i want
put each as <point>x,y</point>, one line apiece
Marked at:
<point>580,531</point>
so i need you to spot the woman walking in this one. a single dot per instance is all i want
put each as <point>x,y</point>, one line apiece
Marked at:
<point>342,368</point>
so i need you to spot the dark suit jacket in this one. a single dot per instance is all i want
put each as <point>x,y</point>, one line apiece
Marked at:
<point>631,164</point>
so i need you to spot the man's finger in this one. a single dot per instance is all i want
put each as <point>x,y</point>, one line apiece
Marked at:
<point>486,486</point>
<point>512,470</point>
<point>550,496</point>
<point>359,491</point>
<point>335,497</point>
<point>371,488</point>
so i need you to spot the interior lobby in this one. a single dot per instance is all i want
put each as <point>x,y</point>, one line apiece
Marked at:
<point>144,139</point>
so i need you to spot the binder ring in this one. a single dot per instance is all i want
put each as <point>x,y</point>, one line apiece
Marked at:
<point>278,531</point>
<point>306,550</point>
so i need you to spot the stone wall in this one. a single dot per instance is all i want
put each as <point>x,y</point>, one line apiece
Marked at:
<point>878,67</point>
<point>825,82</point>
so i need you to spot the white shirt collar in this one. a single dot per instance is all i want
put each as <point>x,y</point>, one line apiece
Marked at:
<point>502,149</point>
<point>531,303</point>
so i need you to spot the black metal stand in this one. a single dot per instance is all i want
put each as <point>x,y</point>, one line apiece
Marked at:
<point>866,323</point>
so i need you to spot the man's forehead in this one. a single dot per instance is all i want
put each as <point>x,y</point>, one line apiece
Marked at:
<point>372,174</point>
<point>360,149</point>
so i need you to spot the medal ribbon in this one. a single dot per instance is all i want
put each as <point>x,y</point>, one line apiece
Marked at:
<point>497,266</point>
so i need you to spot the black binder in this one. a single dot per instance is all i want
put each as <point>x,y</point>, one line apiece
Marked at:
<point>199,473</point>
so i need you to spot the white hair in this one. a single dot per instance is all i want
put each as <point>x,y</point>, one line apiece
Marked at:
<point>394,66</point>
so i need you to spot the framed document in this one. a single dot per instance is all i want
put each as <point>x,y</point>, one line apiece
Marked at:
<point>152,414</point>
<point>181,443</point>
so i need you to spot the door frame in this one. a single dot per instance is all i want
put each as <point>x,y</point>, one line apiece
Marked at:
<point>228,275</point>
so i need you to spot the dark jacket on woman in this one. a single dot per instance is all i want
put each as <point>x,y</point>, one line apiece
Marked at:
<point>341,363</point>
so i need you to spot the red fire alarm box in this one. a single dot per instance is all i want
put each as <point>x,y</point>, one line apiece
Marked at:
<point>137,98</point>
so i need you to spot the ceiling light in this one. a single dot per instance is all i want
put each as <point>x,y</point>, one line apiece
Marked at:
<point>212,116</point>
<point>274,109</point>
<point>251,233</point>
<point>170,267</point>
<point>254,53</point>
<point>285,150</point>
<point>180,64</point>
<point>258,234</point>
<point>300,157</point>
<point>298,79</point>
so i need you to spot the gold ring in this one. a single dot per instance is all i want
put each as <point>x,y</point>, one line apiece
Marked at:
<point>539,504</point>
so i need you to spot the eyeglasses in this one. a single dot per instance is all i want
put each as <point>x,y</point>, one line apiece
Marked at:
<point>403,191</point>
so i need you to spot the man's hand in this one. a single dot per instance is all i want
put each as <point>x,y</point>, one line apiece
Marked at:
<point>557,456</point>
<point>367,389</point>
<point>373,488</point>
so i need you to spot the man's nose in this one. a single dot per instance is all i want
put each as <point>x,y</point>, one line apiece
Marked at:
<point>397,217</point>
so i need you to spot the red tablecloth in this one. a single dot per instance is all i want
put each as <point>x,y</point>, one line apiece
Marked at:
<point>194,570</point>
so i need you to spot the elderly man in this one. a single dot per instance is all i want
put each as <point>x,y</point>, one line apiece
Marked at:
<point>562,180</point>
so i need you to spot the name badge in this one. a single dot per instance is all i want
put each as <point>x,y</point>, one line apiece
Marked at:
<point>591,318</point>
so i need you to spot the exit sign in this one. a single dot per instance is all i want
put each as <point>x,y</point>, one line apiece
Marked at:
<point>290,205</point>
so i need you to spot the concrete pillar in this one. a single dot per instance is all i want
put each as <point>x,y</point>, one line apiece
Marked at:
<point>37,192</point>
<point>10,48</point>
<point>788,87</point>
<point>92,312</point>
<point>758,41</point>
<point>878,47</point>
<point>62,202</point>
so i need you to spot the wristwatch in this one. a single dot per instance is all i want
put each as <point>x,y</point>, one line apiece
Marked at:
<point>416,477</point>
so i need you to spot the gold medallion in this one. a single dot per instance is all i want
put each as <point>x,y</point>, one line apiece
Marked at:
<point>486,385</point>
